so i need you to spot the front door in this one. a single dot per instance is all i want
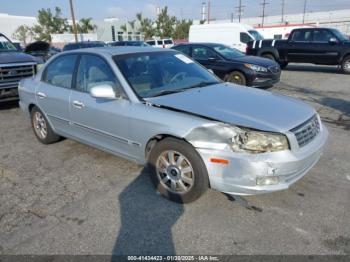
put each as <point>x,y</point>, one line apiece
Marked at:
<point>100,122</point>
<point>327,52</point>
<point>54,90</point>
<point>300,47</point>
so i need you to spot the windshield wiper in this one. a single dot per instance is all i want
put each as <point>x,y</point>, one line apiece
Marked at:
<point>200,84</point>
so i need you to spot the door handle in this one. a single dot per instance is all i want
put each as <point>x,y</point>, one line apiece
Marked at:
<point>78,104</point>
<point>41,95</point>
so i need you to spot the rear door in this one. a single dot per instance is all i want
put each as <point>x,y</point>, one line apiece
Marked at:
<point>54,91</point>
<point>327,52</point>
<point>100,122</point>
<point>300,47</point>
<point>210,59</point>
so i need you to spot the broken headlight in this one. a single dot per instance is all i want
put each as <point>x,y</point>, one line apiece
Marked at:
<point>227,137</point>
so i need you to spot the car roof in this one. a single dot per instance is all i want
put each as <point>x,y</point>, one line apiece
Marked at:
<point>123,50</point>
<point>195,43</point>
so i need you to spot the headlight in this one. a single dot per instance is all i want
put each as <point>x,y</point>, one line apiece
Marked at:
<point>259,142</point>
<point>227,137</point>
<point>256,68</point>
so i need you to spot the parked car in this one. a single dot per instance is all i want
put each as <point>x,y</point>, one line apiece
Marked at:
<point>234,35</point>
<point>41,49</point>
<point>233,66</point>
<point>162,43</point>
<point>158,106</point>
<point>14,66</point>
<point>129,43</point>
<point>322,46</point>
<point>80,45</point>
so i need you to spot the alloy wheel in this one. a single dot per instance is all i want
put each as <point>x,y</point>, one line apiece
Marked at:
<point>39,124</point>
<point>175,172</point>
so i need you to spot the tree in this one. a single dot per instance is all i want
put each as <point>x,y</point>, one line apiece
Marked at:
<point>182,29</point>
<point>146,26</point>
<point>85,26</point>
<point>49,23</point>
<point>165,23</point>
<point>23,33</point>
<point>124,28</point>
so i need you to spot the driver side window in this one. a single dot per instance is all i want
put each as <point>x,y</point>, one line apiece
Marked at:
<point>94,71</point>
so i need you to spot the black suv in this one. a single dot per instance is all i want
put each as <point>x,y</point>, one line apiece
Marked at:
<point>14,66</point>
<point>233,66</point>
<point>322,46</point>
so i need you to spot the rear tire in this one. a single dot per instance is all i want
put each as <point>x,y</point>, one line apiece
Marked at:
<point>345,65</point>
<point>42,128</point>
<point>269,56</point>
<point>236,77</point>
<point>177,171</point>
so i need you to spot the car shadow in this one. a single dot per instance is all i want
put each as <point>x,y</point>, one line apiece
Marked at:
<point>313,68</point>
<point>8,105</point>
<point>146,220</point>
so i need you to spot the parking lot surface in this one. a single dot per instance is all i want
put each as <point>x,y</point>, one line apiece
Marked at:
<point>68,198</point>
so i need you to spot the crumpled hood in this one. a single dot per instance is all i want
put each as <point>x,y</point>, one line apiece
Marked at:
<point>15,57</point>
<point>241,106</point>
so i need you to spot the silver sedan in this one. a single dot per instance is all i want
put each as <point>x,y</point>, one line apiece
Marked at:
<point>159,107</point>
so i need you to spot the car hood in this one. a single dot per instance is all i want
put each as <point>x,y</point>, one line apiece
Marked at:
<point>241,106</point>
<point>15,57</point>
<point>255,60</point>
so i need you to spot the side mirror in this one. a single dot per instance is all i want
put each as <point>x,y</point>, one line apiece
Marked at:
<point>103,92</point>
<point>333,41</point>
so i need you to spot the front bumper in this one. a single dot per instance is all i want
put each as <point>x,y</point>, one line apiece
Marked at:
<point>239,176</point>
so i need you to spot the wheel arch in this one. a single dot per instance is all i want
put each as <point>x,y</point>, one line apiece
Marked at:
<point>271,51</point>
<point>156,139</point>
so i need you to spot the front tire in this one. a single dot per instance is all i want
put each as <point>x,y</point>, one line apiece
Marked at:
<point>236,78</point>
<point>269,56</point>
<point>42,128</point>
<point>345,65</point>
<point>177,171</point>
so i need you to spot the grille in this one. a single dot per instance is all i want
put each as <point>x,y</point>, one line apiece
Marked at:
<point>275,69</point>
<point>13,74</point>
<point>307,131</point>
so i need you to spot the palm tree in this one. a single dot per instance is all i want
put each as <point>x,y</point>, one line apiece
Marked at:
<point>85,26</point>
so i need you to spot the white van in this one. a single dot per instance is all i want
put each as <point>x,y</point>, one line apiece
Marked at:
<point>235,35</point>
<point>280,31</point>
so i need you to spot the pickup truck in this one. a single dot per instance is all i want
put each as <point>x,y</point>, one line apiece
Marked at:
<point>322,46</point>
<point>14,66</point>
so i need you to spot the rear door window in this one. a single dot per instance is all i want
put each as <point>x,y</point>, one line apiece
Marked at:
<point>185,49</point>
<point>60,71</point>
<point>302,36</point>
<point>203,53</point>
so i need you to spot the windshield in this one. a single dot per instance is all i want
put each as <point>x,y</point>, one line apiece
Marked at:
<point>228,52</point>
<point>158,73</point>
<point>257,36</point>
<point>6,45</point>
<point>339,35</point>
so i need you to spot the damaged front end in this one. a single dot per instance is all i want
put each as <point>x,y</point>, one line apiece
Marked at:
<point>220,136</point>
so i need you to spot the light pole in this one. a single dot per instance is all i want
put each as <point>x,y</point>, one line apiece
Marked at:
<point>73,21</point>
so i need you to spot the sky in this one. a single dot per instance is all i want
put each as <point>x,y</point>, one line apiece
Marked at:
<point>187,9</point>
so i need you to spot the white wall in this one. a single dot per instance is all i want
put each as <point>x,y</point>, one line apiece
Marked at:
<point>9,23</point>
